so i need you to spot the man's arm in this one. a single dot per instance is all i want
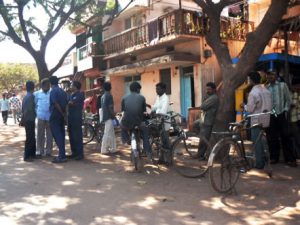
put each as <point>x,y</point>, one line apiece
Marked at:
<point>251,104</point>
<point>287,97</point>
<point>208,103</point>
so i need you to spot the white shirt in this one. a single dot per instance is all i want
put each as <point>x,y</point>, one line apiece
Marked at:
<point>259,100</point>
<point>162,106</point>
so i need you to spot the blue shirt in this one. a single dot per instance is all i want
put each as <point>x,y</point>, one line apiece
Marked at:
<point>42,104</point>
<point>59,96</point>
<point>75,109</point>
<point>107,101</point>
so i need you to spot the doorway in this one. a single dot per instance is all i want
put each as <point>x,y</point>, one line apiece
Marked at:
<point>187,91</point>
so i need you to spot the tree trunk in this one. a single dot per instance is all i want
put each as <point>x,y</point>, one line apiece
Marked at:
<point>42,69</point>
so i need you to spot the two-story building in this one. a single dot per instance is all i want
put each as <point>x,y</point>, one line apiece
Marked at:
<point>163,40</point>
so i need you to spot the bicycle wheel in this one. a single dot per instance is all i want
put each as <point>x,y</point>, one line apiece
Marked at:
<point>155,147</point>
<point>267,167</point>
<point>186,155</point>
<point>225,163</point>
<point>99,131</point>
<point>87,133</point>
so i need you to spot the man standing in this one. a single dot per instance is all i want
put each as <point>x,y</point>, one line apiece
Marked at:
<point>209,109</point>
<point>28,119</point>
<point>58,103</point>
<point>107,105</point>
<point>134,107</point>
<point>4,107</point>
<point>15,105</point>
<point>278,130</point>
<point>162,106</point>
<point>259,101</point>
<point>75,121</point>
<point>42,102</point>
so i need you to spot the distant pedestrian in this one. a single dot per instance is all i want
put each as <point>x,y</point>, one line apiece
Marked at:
<point>44,135</point>
<point>107,106</point>
<point>15,106</point>
<point>58,103</point>
<point>4,107</point>
<point>75,120</point>
<point>28,120</point>
<point>277,133</point>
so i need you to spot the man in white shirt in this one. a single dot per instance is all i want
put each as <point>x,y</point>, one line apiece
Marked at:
<point>162,106</point>
<point>259,101</point>
<point>4,107</point>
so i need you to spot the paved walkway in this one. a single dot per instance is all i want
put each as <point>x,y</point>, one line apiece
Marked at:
<point>102,190</point>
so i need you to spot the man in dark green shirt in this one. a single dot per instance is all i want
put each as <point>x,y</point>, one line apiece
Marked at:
<point>209,109</point>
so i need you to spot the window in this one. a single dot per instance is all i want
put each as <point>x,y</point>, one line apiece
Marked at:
<point>134,21</point>
<point>165,77</point>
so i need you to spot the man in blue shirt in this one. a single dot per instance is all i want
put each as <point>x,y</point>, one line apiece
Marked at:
<point>42,103</point>
<point>28,120</point>
<point>75,121</point>
<point>58,103</point>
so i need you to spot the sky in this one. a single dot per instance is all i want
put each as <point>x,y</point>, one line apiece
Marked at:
<point>10,52</point>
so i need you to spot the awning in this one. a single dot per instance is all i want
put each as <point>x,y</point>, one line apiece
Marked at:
<point>154,63</point>
<point>274,57</point>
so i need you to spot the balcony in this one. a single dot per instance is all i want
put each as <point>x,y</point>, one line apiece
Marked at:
<point>178,23</point>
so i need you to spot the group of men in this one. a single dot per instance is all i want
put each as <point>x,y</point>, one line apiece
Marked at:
<point>52,108</point>
<point>274,96</point>
<point>12,104</point>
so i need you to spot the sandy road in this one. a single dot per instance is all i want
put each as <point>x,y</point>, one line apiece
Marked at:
<point>102,190</point>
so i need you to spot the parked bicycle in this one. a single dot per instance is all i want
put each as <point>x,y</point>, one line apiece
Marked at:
<point>230,157</point>
<point>92,129</point>
<point>158,135</point>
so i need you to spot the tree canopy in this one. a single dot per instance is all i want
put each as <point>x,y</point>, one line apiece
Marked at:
<point>14,76</point>
<point>31,24</point>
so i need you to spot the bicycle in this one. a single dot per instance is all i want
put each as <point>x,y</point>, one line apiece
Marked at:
<point>92,129</point>
<point>158,135</point>
<point>186,153</point>
<point>228,158</point>
<point>135,154</point>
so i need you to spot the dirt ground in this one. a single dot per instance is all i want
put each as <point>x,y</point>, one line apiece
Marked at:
<point>103,190</point>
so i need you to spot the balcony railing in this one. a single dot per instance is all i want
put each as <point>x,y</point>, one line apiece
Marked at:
<point>178,22</point>
<point>91,49</point>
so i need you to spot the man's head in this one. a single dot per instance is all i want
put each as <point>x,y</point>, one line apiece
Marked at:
<point>45,83</point>
<point>53,80</point>
<point>271,76</point>
<point>135,87</point>
<point>4,95</point>
<point>107,86</point>
<point>161,88</point>
<point>210,88</point>
<point>254,77</point>
<point>29,86</point>
<point>75,86</point>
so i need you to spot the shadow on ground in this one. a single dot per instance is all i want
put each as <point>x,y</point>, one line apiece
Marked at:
<point>103,190</point>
